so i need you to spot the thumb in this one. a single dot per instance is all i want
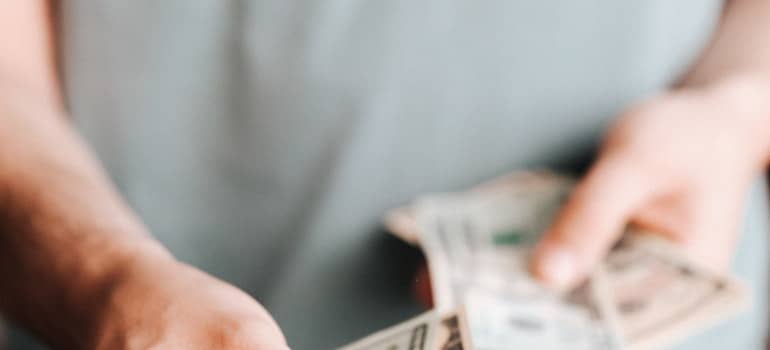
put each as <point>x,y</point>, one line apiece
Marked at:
<point>591,220</point>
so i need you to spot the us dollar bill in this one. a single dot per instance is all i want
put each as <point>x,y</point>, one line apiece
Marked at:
<point>645,295</point>
<point>402,221</point>
<point>478,250</point>
<point>413,334</point>
<point>661,297</point>
<point>497,321</point>
<point>453,333</point>
<point>428,331</point>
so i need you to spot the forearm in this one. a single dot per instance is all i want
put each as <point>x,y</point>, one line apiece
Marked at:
<point>736,67</point>
<point>65,236</point>
<point>741,46</point>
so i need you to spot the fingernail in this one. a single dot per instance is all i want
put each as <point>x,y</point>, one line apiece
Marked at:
<point>558,268</point>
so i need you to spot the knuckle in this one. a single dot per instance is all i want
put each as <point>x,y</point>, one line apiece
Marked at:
<point>239,333</point>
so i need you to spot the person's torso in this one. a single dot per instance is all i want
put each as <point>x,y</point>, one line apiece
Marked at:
<point>262,140</point>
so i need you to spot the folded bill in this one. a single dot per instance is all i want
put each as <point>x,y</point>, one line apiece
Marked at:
<point>402,222</point>
<point>478,249</point>
<point>645,295</point>
<point>428,331</point>
<point>662,297</point>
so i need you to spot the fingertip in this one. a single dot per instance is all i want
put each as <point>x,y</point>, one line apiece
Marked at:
<point>555,266</point>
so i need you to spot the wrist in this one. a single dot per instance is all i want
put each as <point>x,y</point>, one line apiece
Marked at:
<point>92,298</point>
<point>145,283</point>
<point>745,100</point>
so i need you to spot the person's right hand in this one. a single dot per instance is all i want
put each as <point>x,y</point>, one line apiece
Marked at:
<point>164,304</point>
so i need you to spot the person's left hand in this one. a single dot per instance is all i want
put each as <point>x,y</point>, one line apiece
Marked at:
<point>679,164</point>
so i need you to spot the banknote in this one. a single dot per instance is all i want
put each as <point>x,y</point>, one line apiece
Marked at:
<point>597,326</point>
<point>452,332</point>
<point>497,321</point>
<point>661,297</point>
<point>644,295</point>
<point>402,221</point>
<point>413,334</point>
<point>475,238</point>
<point>477,253</point>
<point>429,331</point>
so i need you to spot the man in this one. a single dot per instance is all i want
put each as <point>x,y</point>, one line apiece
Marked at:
<point>261,140</point>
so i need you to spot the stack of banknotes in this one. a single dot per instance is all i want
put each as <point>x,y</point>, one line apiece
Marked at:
<point>645,294</point>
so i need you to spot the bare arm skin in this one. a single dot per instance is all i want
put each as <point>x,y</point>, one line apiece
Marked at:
<point>740,47</point>
<point>76,266</point>
<point>680,163</point>
<point>62,227</point>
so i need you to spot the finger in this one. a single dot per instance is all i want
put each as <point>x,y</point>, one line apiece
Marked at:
<point>591,220</point>
<point>711,237</point>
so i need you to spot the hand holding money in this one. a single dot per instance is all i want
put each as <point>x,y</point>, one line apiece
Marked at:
<point>692,194</point>
<point>644,295</point>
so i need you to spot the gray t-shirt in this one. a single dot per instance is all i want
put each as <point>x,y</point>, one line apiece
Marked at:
<point>262,140</point>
